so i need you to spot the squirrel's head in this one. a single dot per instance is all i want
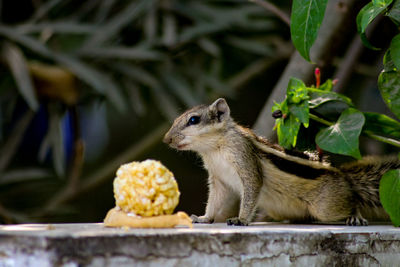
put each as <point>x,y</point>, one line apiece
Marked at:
<point>199,128</point>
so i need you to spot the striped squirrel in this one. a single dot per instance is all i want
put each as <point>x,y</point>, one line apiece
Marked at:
<point>248,173</point>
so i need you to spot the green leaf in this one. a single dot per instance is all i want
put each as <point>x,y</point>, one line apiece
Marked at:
<point>217,84</point>
<point>138,74</point>
<point>318,97</point>
<point>119,52</point>
<point>26,41</point>
<point>365,41</point>
<point>330,110</point>
<point>44,9</point>
<point>342,137</point>
<point>19,69</point>
<point>287,130</point>
<point>251,46</point>
<point>381,124</point>
<point>389,86</point>
<point>118,21</point>
<point>296,98</point>
<point>301,111</point>
<point>327,103</point>
<point>82,70</point>
<point>276,106</point>
<point>209,47</point>
<point>283,107</point>
<point>114,93</point>
<point>180,87</point>
<point>366,15</point>
<point>381,3</point>
<point>388,63</point>
<point>135,97</point>
<point>389,193</point>
<point>288,126</point>
<point>199,30</point>
<point>394,12</point>
<point>306,19</point>
<point>24,175</point>
<point>326,86</point>
<point>395,50</point>
<point>296,91</point>
<point>54,141</point>
<point>99,81</point>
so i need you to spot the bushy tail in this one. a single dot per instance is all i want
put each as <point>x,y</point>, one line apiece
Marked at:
<point>365,175</point>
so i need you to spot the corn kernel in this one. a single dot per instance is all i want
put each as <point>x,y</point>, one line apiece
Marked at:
<point>145,188</point>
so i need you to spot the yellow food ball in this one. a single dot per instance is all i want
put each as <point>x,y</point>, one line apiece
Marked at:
<point>146,188</point>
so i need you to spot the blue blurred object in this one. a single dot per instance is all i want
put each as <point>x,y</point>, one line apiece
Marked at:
<point>94,130</point>
<point>93,127</point>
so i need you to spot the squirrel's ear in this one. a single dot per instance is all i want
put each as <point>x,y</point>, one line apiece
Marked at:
<point>221,109</point>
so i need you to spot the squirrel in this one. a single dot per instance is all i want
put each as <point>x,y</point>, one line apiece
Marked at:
<point>247,173</point>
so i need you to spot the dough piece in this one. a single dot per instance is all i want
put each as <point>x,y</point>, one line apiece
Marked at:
<point>117,218</point>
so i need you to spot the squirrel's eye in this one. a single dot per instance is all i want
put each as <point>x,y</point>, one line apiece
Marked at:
<point>193,120</point>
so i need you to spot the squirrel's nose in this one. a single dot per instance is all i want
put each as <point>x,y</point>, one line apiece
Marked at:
<point>167,139</point>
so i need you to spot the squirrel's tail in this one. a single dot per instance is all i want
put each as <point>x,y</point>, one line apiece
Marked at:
<point>364,176</point>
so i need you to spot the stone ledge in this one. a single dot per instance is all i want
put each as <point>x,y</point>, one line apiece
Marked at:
<point>204,245</point>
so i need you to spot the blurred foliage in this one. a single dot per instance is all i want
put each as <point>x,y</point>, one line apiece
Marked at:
<point>73,72</point>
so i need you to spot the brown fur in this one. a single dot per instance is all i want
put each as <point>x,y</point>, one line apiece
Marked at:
<point>247,172</point>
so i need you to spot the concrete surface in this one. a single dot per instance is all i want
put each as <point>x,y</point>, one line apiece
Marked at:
<point>268,244</point>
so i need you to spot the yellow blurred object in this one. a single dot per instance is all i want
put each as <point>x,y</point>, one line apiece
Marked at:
<point>146,189</point>
<point>54,82</point>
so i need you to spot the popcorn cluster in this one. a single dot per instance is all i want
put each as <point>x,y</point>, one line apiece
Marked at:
<point>146,189</point>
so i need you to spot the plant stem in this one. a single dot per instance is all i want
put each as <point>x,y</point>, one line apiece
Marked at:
<point>383,139</point>
<point>320,120</point>
<point>387,140</point>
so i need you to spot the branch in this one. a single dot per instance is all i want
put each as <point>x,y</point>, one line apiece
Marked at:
<point>273,9</point>
<point>57,27</point>
<point>43,10</point>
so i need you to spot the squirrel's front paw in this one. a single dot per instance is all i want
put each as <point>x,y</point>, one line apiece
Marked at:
<point>201,219</point>
<point>236,221</point>
<point>356,221</point>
